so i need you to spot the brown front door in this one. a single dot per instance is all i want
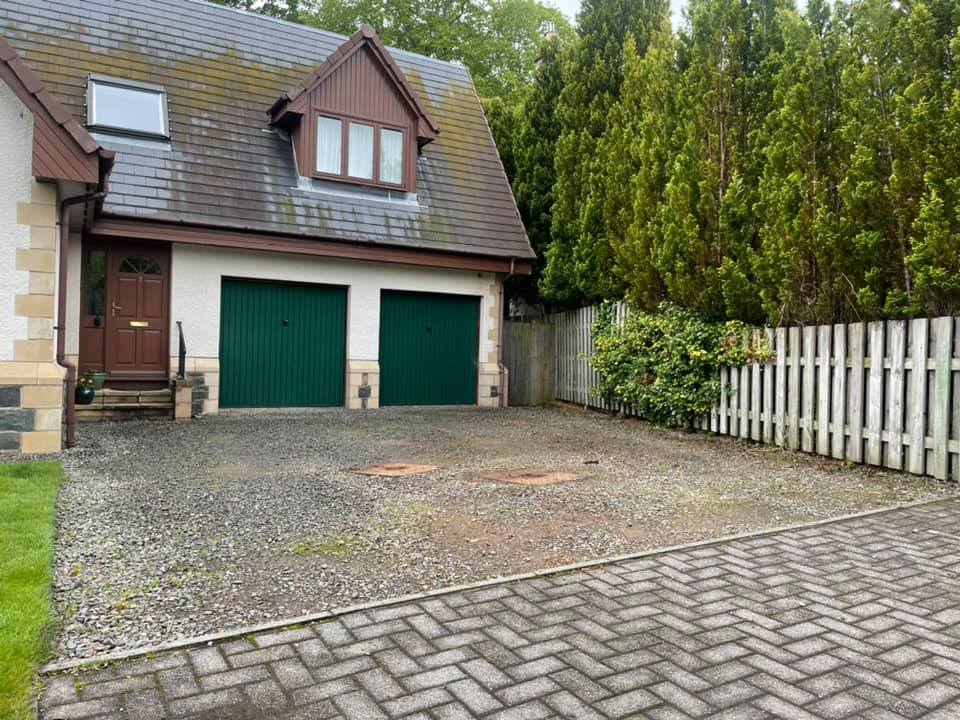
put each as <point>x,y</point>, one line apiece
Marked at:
<point>136,312</point>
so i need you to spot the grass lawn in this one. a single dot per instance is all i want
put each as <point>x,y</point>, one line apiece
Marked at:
<point>28,492</point>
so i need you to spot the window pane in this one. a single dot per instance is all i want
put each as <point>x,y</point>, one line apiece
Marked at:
<point>329,146</point>
<point>391,156</point>
<point>127,108</point>
<point>93,282</point>
<point>140,264</point>
<point>361,151</point>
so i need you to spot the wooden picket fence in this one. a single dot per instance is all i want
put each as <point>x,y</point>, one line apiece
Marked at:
<point>529,347</point>
<point>883,393</point>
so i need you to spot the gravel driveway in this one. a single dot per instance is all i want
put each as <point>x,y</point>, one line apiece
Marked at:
<point>172,530</point>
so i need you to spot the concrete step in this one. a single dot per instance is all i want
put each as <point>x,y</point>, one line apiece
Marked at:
<point>110,404</point>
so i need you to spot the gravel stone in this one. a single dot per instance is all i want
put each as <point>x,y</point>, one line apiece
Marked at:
<point>172,530</point>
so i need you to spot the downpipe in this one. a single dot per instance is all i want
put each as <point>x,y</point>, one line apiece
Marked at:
<point>500,368</point>
<point>71,378</point>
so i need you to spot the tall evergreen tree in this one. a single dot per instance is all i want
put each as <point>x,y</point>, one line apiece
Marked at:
<point>725,94</point>
<point>804,267</point>
<point>535,141</point>
<point>636,152</point>
<point>579,256</point>
<point>929,114</point>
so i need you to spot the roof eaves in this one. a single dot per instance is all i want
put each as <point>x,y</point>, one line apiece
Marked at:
<point>33,87</point>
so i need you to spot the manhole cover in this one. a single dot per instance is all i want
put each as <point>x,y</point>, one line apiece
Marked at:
<point>394,469</point>
<point>531,477</point>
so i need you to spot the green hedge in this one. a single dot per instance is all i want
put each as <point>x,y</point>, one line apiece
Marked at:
<point>666,364</point>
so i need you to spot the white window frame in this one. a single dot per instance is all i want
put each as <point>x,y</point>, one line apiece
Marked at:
<point>94,80</point>
<point>374,150</point>
<point>403,151</point>
<point>378,126</point>
<point>316,159</point>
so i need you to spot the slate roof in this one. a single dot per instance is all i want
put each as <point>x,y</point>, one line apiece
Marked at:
<point>223,69</point>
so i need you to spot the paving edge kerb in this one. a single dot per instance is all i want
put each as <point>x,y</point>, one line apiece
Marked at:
<point>58,667</point>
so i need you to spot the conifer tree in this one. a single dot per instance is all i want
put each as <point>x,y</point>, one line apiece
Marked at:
<point>636,152</point>
<point>803,266</point>
<point>929,113</point>
<point>534,144</point>
<point>716,112</point>
<point>579,257</point>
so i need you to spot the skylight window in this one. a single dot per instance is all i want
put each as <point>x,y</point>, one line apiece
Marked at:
<point>126,106</point>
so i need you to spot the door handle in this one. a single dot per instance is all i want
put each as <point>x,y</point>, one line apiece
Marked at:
<point>114,307</point>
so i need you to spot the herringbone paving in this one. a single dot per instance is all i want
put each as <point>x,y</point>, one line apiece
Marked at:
<point>857,618</point>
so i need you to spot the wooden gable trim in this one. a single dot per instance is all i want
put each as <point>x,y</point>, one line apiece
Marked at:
<point>295,100</point>
<point>123,228</point>
<point>62,147</point>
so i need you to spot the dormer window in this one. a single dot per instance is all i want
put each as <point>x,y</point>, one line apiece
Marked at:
<point>364,151</point>
<point>356,119</point>
<point>127,107</point>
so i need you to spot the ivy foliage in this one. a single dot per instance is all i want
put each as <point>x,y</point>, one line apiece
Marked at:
<point>666,364</point>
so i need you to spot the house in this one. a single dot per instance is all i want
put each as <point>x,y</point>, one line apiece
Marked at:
<point>318,220</point>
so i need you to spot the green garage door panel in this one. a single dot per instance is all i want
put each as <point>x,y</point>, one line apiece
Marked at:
<point>428,349</point>
<point>281,345</point>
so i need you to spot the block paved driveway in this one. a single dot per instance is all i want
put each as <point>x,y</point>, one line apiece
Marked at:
<point>856,618</point>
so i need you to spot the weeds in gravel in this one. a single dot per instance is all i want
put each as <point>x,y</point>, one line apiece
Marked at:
<point>333,546</point>
<point>28,492</point>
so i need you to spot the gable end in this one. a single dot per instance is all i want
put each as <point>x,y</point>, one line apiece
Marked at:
<point>62,148</point>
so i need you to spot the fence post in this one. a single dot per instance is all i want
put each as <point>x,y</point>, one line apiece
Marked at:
<point>838,426</point>
<point>755,397</point>
<point>855,403</point>
<point>809,387</point>
<point>769,369</point>
<point>898,351</point>
<point>780,405</point>
<point>823,390</point>
<point>793,400</point>
<point>941,397</point>
<point>917,407</point>
<point>875,395</point>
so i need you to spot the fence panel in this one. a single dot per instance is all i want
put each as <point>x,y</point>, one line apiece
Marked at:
<point>839,391</point>
<point>886,392</point>
<point>530,356</point>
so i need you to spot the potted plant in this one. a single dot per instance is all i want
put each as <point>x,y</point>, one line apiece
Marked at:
<point>99,379</point>
<point>84,393</point>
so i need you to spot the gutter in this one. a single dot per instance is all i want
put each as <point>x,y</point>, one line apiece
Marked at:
<point>500,367</point>
<point>71,379</point>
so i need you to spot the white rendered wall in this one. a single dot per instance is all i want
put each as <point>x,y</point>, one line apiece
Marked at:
<point>16,177</point>
<point>197,273</point>
<point>72,340</point>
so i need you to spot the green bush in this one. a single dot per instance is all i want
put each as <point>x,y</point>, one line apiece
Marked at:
<point>666,364</point>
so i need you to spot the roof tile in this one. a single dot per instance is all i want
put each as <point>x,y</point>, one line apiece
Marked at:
<point>222,70</point>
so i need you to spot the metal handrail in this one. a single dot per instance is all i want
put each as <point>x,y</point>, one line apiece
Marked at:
<point>182,364</point>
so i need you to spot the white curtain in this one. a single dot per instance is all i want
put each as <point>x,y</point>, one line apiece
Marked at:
<point>360,158</point>
<point>329,146</point>
<point>391,156</point>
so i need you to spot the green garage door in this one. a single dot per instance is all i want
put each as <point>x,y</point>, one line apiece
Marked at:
<point>281,344</point>
<point>428,348</point>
